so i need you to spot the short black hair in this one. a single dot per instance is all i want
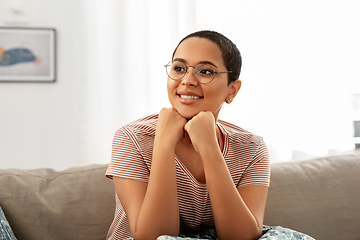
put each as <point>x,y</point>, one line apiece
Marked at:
<point>230,53</point>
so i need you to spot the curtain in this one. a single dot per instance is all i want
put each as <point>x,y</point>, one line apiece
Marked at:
<point>296,73</point>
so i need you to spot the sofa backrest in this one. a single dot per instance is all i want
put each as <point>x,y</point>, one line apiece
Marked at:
<point>320,197</point>
<point>77,203</point>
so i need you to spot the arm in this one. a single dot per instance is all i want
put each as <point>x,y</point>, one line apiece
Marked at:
<point>152,208</point>
<point>238,213</point>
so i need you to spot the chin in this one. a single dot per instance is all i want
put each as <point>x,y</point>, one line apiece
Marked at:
<point>187,114</point>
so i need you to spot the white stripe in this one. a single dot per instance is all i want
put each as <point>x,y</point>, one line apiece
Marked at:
<point>245,154</point>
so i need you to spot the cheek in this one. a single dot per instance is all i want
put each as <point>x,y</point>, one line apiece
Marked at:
<point>218,93</point>
<point>171,88</point>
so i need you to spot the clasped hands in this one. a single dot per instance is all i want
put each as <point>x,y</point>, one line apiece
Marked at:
<point>201,129</point>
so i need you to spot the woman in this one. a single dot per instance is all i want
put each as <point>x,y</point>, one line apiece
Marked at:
<point>183,171</point>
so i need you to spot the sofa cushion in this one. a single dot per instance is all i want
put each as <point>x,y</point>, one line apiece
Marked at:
<point>77,203</point>
<point>320,197</point>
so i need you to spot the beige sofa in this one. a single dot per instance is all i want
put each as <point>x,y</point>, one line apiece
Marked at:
<point>320,197</point>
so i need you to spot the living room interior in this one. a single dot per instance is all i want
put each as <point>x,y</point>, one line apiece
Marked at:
<point>300,82</point>
<point>300,77</point>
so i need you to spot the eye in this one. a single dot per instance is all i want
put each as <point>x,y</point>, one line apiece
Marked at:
<point>179,69</point>
<point>206,70</point>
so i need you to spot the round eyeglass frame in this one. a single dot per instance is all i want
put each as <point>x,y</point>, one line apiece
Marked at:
<point>186,70</point>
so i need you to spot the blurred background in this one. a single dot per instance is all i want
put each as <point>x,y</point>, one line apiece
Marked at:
<point>301,76</point>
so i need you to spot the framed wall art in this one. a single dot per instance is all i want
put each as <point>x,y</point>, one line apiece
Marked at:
<point>27,54</point>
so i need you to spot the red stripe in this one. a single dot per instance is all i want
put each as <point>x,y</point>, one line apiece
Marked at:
<point>245,154</point>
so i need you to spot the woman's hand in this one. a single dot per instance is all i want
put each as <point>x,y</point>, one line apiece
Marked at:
<point>245,206</point>
<point>202,131</point>
<point>170,127</point>
<point>152,208</point>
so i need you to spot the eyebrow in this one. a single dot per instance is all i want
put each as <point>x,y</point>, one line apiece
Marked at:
<point>202,62</point>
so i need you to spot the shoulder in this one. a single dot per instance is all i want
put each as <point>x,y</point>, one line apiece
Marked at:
<point>238,134</point>
<point>145,125</point>
<point>140,132</point>
<point>136,137</point>
<point>246,155</point>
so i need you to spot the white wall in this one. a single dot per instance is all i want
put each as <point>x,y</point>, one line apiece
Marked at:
<point>298,60</point>
<point>41,124</point>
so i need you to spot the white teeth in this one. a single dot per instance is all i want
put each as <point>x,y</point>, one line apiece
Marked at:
<point>189,97</point>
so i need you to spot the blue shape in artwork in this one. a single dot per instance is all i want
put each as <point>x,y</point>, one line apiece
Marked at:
<point>17,55</point>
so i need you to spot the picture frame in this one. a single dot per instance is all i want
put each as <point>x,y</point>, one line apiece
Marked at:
<point>27,54</point>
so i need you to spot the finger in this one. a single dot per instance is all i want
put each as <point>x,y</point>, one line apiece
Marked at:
<point>186,126</point>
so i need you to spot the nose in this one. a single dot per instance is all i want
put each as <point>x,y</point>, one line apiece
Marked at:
<point>189,78</point>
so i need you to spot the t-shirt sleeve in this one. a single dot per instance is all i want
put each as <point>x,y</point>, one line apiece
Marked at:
<point>126,158</point>
<point>258,171</point>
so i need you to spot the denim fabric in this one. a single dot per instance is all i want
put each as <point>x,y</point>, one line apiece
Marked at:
<point>5,229</point>
<point>281,233</point>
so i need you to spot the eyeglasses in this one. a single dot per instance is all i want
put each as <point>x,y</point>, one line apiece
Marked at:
<point>204,73</point>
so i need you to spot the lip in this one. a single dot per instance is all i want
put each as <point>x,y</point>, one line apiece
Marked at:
<point>188,97</point>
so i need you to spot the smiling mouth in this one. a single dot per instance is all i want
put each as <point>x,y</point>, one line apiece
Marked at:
<point>189,97</point>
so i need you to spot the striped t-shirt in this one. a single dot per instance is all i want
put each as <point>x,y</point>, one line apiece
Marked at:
<point>245,154</point>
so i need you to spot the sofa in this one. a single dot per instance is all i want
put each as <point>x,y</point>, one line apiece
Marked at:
<point>319,197</point>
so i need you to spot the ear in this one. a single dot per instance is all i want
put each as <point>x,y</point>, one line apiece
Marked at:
<point>234,88</point>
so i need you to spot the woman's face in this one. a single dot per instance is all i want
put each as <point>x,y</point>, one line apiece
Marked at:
<point>187,95</point>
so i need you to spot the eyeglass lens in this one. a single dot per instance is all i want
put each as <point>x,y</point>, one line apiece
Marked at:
<point>203,73</point>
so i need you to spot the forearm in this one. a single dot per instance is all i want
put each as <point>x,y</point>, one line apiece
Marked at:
<point>159,213</point>
<point>233,219</point>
